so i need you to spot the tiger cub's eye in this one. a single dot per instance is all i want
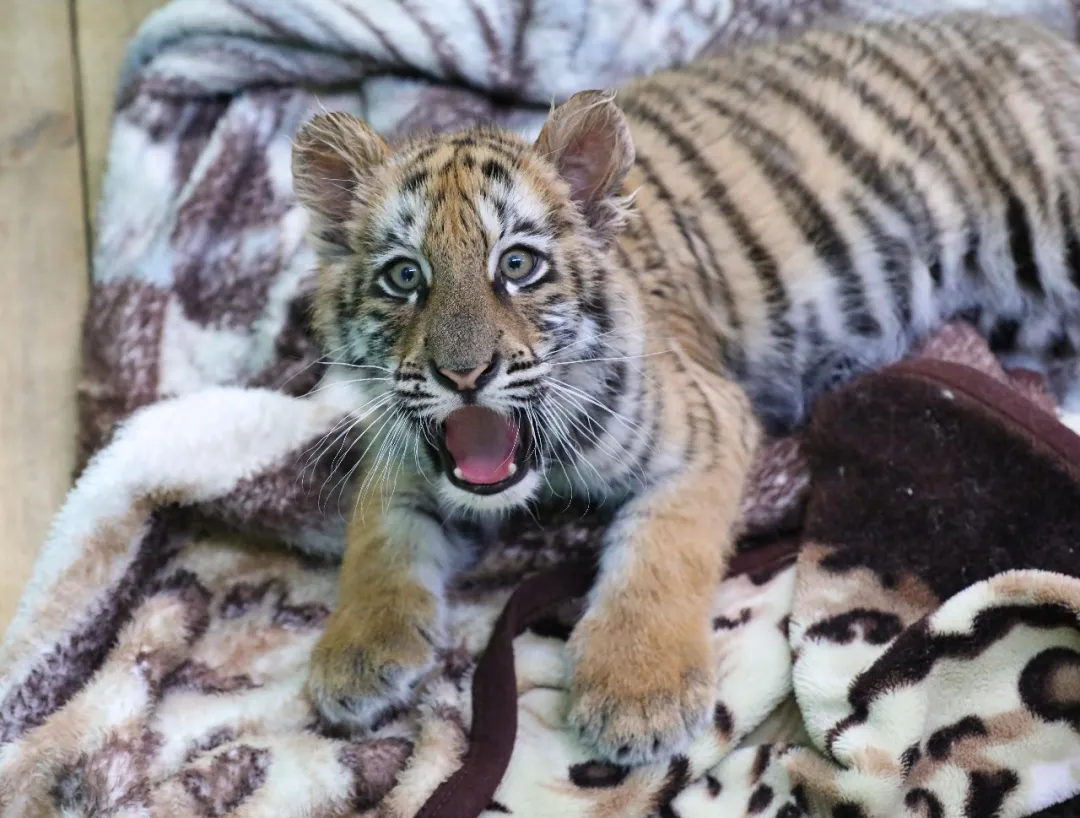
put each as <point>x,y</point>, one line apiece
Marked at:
<point>404,276</point>
<point>517,264</point>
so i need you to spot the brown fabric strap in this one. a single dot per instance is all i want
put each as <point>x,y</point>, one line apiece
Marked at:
<point>468,792</point>
<point>1043,429</point>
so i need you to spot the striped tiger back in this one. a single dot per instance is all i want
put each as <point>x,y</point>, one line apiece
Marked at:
<point>833,197</point>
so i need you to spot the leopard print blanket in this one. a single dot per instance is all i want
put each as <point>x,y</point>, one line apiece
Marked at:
<point>906,646</point>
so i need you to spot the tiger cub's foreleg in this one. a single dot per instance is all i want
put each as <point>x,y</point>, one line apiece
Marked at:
<point>388,624</point>
<point>643,670</point>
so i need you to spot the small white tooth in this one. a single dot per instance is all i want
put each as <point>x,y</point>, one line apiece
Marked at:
<point>512,470</point>
<point>459,474</point>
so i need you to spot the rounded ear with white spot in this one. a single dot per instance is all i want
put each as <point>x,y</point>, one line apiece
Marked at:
<point>333,156</point>
<point>588,141</point>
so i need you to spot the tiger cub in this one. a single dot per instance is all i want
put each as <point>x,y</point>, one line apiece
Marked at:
<point>618,310</point>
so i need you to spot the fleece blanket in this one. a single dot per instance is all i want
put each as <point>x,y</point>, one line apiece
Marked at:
<point>897,635</point>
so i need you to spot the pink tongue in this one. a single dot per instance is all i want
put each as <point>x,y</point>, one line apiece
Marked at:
<point>482,443</point>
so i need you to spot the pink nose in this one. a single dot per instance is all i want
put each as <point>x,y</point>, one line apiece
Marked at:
<point>466,380</point>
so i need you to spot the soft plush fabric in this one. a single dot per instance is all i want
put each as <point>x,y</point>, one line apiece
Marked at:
<point>156,664</point>
<point>935,625</point>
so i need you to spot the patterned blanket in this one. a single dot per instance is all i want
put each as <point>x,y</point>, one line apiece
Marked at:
<point>898,635</point>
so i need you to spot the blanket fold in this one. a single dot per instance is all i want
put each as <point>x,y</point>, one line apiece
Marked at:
<point>917,658</point>
<point>934,621</point>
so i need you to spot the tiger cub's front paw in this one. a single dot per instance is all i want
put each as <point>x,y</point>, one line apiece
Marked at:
<point>633,698</point>
<point>369,661</point>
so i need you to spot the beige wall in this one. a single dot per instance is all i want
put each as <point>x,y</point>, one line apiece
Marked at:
<point>58,62</point>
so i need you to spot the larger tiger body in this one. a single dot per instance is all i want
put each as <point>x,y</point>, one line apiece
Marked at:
<point>621,306</point>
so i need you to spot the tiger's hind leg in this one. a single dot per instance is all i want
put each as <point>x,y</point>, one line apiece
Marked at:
<point>1046,343</point>
<point>784,400</point>
<point>1063,377</point>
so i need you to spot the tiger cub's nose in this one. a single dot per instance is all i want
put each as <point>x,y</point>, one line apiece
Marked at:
<point>470,380</point>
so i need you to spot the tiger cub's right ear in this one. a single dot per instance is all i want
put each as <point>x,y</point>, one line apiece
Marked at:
<point>333,156</point>
<point>588,141</point>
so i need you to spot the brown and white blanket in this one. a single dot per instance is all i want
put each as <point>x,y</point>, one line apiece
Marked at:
<point>899,635</point>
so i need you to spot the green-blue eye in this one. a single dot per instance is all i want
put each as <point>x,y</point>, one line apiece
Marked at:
<point>404,276</point>
<point>517,264</point>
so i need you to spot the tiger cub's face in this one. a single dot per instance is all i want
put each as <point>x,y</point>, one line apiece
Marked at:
<point>456,274</point>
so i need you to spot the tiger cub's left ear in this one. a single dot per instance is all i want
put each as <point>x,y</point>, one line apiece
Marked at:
<point>588,141</point>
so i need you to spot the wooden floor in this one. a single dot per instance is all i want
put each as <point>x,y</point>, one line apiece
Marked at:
<point>58,63</point>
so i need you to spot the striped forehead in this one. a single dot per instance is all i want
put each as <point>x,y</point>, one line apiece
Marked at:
<point>459,185</point>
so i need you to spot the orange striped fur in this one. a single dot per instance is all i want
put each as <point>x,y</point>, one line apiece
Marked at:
<point>662,272</point>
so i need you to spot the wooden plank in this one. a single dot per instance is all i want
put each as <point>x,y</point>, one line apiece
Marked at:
<point>43,277</point>
<point>104,29</point>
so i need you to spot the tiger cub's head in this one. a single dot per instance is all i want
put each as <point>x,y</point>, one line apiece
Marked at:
<point>460,275</point>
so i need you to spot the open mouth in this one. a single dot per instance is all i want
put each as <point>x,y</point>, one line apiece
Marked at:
<point>483,451</point>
